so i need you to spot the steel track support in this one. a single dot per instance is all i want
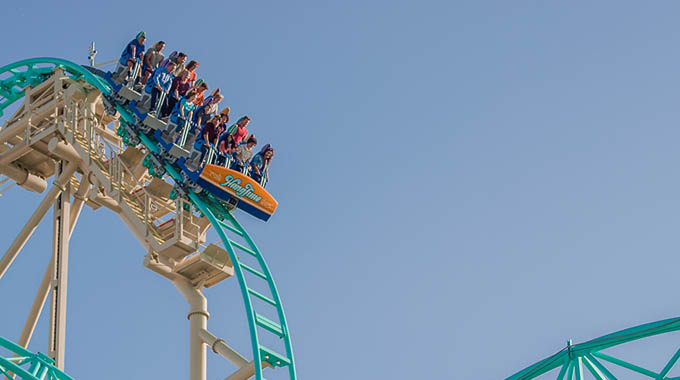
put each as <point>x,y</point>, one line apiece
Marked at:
<point>36,308</point>
<point>198,322</point>
<point>35,219</point>
<point>44,289</point>
<point>61,232</point>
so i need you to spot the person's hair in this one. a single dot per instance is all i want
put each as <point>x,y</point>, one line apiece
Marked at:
<point>251,139</point>
<point>192,65</point>
<point>268,160</point>
<point>172,63</point>
<point>190,93</point>
<point>204,85</point>
<point>243,118</point>
<point>184,72</point>
<point>218,97</point>
<point>181,55</point>
<point>160,42</point>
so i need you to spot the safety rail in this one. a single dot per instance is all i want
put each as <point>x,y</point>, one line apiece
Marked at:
<point>108,157</point>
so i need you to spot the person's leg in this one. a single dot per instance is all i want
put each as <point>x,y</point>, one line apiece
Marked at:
<point>169,106</point>
<point>154,97</point>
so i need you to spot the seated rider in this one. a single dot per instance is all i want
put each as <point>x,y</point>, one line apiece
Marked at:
<point>239,129</point>
<point>191,68</point>
<point>206,112</point>
<point>159,83</point>
<point>259,165</point>
<point>201,87</point>
<point>179,60</point>
<point>209,136</point>
<point>179,88</point>
<point>182,111</point>
<point>133,51</point>
<point>213,94</point>
<point>244,151</point>
<point>152,59</point>
<point>225,148</point>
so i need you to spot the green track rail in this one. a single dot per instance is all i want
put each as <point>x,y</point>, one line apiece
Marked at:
<point>574,360</point>
<point>34,71</point>
<point>26,365</point>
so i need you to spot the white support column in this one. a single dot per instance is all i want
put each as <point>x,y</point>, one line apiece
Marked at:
<point>44,289</point>
<point>198,322</point>
<point>198,317</point>
<point>57,330</point>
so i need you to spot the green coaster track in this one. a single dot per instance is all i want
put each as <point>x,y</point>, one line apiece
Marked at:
<point>15,77</point>
<point>27,365</point>
<point>574,360</point>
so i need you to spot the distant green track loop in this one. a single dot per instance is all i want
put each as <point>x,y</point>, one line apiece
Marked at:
<point>574,360</point>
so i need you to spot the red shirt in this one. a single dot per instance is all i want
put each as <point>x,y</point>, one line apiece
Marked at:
<point>240,134</point>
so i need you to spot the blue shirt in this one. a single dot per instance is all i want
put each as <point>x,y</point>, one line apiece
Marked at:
<point>127,53</point>
<point>258,162</point>
<point>161,77</point>
<point>188,107</point>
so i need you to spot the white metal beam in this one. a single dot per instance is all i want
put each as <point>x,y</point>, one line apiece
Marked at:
<point>57,330</point>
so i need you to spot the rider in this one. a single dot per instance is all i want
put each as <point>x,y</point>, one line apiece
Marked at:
<point>210,134</point>
<point>133,51</point>
<point>191,67</point>
<point>152,59</point>
<point>179,88</point>
<point>182,112</point>
<point>243,153</point>
<point>239,129</point>
<point>201,87</point>
<point>259,165</point>
<point>207,111</point>
<point>159,83</point>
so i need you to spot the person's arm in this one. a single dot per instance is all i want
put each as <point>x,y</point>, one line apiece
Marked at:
<point>255,163</point>
<point>147,60</point>
<point>181,111</point>
<point>157,80</point>
<point>168,84</point>
<point>199,117</point>
<point>175,88</point>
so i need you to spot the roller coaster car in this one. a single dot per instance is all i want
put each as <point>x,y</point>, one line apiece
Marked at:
<point>231,186</point>
<point>122,90</point>
<point>235,189</point>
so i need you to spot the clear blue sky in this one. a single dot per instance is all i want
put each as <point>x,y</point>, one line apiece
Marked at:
<point>463,185</point>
